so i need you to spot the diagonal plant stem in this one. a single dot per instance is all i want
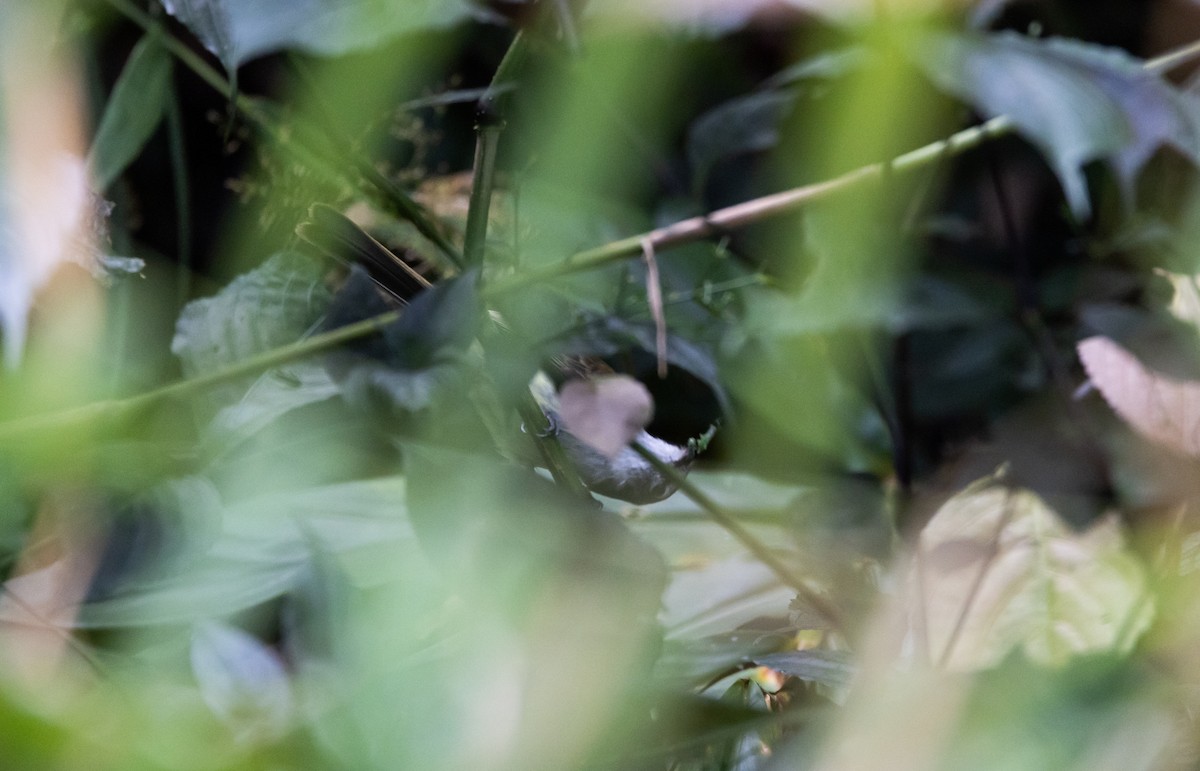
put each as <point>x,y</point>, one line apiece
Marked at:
<point>113,414</point>
<point>760,551</point>
<point>742,214</point>
<point>490,115</point>
<point>758,209</point>
<point>677,234</point>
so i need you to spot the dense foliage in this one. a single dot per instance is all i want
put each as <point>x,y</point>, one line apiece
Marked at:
<point>542,384</point>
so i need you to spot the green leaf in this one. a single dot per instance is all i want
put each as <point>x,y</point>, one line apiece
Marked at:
<point>1076,102</point>
<point>265,548</point>
<point>743,125</point>
<point>272,305</point>
<point>830,668</point>
<point>133,112</point>
<point>416,357</point>
<point>275,393</point>
<point>571,581</point>
<point>239,30</point>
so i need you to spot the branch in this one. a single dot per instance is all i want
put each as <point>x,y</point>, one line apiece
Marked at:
<point>757,209</point>
<point>742,214</point>
<point>113,414</point>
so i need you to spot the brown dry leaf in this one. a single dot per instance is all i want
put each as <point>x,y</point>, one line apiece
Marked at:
<point>40,601</point>
<point>997,569</point>
<point>1162,409</point>
<point>606,413</point>
<point>44,186</point>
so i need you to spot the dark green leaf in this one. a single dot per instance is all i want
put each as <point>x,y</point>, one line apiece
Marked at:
<point>239,30</point>
<point>1077,102</point>
<point>414,359</point>
<point>133,112</point>
<point>272,305</point>
<point>744,125</point>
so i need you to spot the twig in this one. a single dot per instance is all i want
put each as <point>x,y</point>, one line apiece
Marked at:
<point>755,210</point>
<point>654,300</point>
<point>1174,58</point>
<point>739,215</point>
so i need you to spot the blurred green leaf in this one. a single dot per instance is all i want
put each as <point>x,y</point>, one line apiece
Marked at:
<point>242,681</point>
<point>133,112</point>
<point>1097,712</point>
<point>572,581</point>
<point>261,550</point>
<point>274,393</point>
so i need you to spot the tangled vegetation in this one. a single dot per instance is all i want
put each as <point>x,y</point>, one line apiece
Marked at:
<point>536,384</point>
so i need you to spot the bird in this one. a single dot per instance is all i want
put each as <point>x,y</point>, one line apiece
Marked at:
<point>616,471</point>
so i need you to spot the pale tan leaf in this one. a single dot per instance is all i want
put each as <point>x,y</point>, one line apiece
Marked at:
<point>998,570</point>
<point>44,185</point>
<point>1185,303</point>
<point>606,413</point>
<point>1162,409</point>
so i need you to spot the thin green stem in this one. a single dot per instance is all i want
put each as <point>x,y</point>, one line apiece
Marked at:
<point>554,458</point>
<point>183,209</point>
<point>727,521</point>
<point>115,413</point>
<point>475,238</point>
<point>748,212</point>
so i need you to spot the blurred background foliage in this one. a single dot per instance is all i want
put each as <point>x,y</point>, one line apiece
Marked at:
<point>269,499</point>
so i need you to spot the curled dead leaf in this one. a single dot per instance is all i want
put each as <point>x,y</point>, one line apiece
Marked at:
<point>1165,410</point>
<point>605,413</point>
